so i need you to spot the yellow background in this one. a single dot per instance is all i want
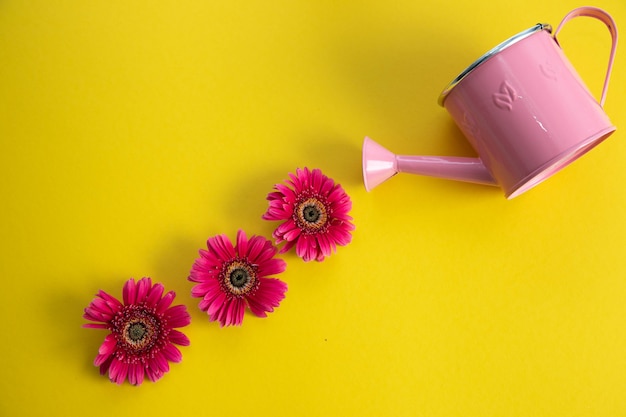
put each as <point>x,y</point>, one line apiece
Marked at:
<point>131,131</point>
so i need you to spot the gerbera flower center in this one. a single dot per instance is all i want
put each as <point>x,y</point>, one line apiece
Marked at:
<point>311,214</point>
<point>239,277</point>
<point>137,328</point>
<point>136,331</point>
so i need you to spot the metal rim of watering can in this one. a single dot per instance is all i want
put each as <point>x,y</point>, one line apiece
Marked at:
<point>499,48</point>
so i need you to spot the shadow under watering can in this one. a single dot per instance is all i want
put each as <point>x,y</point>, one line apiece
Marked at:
<point>523,108</point>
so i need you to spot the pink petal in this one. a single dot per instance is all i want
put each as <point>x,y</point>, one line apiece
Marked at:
<point>337,194</point>
<point>288,194</point>
<point>274,196</point>
<point>221,246</point>
<point>242,243</point>
<point>153,371</point>
<point>179,338</point>
<point>101,306</point>
<point>213,291</point>
<point>305,248</point>
<point>303,175</point>
<point>292,234</point>
<point>324,245</point>
<point>326,186</point>
<point>113,302</point>
<point>143,286</point>
<point>270,293</point>
<point>256,308</point>
<point>288,246</point>
<point>151,375</point>
<point>135,373</point>
<point>286,227</point>
<point>341,236</point>
<point>165,302</point>
<point>154,295</point>
<point>118,371</point>
<point>342,219</point>
<point>108,346</point>
<point>123,374</point>
<point>316,179</point>
<point>276,213</point>
<point>162,363</point>
<point>104,367</point>
<point>172,353</point>
<point>100,359</point>
<point>216,303</point>
<point>268,251</point>
<point>231,312</point>
<point>272,267</point>
<point>139,374</point>
<point>200,290</point>
<point>95,326</point>
<point>132,374</point>
<point>236,312</point>
<point>177,316</point>
<point>129,292</point>
<point>222,313</point>
<point>95,315</point>
<point>205,268</point>
<point>257,243</point>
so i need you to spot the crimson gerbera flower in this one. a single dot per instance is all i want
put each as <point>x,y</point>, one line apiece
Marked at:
<point>314,210</point>
<point>141,342</point>
<point>231,278</point>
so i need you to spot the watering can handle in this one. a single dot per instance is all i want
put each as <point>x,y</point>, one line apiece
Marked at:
<point>605,18</point>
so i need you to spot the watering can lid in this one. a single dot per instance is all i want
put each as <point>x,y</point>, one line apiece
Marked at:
<point>489,54</point>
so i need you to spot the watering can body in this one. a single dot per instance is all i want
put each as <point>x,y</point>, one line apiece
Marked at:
<point>523,108</point>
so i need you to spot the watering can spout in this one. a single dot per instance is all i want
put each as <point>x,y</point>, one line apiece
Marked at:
<point>380,164</point>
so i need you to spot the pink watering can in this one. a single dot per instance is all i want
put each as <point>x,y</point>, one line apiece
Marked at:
<point>522,107</point>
